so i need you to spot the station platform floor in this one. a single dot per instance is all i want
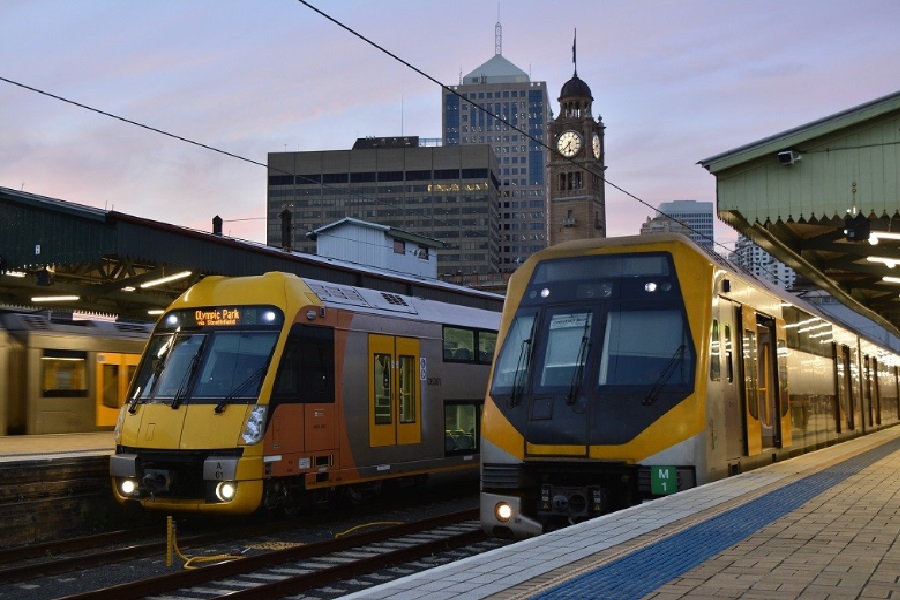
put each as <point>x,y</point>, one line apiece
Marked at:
<point>821,526</point>
<point>21,448</point>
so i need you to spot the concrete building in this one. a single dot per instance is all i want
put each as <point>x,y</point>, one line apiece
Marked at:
<point>698,216</point>
<point>761,264</point>
<point>377,246</point>
<point>486,106</point>
<point>664,224</point>
<point>448,193</point>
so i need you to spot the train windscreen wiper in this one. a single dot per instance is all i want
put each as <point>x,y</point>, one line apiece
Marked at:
<point>181,392</point>
<point>578,375</point>
<point>244,385</point>
<point>665,375</point>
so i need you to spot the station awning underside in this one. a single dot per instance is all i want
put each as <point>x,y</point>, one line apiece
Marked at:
<point>113,262</point>
<point>816,197</point>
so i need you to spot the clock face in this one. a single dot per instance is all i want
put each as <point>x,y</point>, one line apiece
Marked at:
<point>595,141</point>
<point>569,143</point>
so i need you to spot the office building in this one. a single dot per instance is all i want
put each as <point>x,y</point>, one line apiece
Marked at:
<point>761,264</point>
<point>487,107</point>
<point>448,193</point>
<point>697,216</point>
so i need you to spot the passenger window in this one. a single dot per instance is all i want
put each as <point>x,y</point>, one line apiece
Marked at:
<point>715,366</point>
<point>459,344</point>
<point>729,353</point>
<point>462,427</point>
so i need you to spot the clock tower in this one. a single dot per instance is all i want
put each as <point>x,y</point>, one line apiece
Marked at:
<point>576,198</point>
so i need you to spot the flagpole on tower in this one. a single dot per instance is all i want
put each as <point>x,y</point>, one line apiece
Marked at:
<point>574,43</point>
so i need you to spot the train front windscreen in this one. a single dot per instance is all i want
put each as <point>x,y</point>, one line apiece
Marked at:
<point>600,338</point>
<point>211,355</point>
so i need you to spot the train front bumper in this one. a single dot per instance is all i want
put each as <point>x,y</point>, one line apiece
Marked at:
<point>221,489</point>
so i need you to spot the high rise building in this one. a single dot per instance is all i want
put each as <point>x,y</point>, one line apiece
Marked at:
<point>483,109</point>
<point>761,264</point>
<point>448,193</point>
<point>698,216</point>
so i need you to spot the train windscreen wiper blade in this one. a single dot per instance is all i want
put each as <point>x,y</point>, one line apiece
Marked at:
<point>181,392</point>
<point>575,386</point>
<point>241,388</point>
<point>665,375</point>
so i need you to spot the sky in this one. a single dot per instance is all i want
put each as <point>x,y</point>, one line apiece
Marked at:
<point>674,82</point>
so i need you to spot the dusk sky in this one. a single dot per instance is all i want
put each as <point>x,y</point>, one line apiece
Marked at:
<point>674,82</point>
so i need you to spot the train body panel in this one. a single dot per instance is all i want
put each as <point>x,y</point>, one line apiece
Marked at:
<point>345,388</point>
<point>635,367</point>
<point>62,375</point>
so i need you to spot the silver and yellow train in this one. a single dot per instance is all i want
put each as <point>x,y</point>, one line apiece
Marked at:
<point>59,375</point>
<point>278,391</point>
<point>636,367</point>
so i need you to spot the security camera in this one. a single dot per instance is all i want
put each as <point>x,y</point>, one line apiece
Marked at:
<point>788,157</point>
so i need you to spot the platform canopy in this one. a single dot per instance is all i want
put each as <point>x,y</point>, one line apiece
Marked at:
<point>824,198</point>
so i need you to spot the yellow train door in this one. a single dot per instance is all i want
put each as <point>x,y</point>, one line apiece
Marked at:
<point>395,402</point>
<point>114,373</point>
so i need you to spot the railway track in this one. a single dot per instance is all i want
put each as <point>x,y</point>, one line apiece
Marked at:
<point>91,564</point>
<point>335,566</point>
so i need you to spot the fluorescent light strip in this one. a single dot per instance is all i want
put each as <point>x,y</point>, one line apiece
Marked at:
<point>167,279</point>
<point>55,298</point>
<point>875,236</point>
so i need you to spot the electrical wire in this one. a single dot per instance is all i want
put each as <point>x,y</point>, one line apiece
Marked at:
<point>497,117</point>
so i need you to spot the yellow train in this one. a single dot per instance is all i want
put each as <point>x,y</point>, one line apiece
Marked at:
<point>636,367</point>
<point>59,375</point>
<point>279,391</point>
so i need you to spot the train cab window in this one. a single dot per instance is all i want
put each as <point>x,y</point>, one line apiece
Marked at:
<point>462,427</point>
<point>715,353</point>
<point>645,348</point>
<point>306,370</point>
<point>64,373</point>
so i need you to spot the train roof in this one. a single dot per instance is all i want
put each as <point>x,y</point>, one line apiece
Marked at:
<point>372,301</point>
<point>837,312</point>
<point>35,322</point>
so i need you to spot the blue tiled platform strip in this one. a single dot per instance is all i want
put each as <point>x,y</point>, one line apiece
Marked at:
<point>637,574</point>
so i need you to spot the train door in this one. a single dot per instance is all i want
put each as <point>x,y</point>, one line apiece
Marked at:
<point>750,362</point>
<point>767,383</point>
<point>114,373</point>
<point>729,321</point>
<point>782,401</point>
<point>394,391</point>
<point>844,383</point>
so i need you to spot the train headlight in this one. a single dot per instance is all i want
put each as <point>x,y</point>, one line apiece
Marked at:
<point>127,487</point>
<point>503,512</point>
<point>255,426</point>
<point>226,490</point>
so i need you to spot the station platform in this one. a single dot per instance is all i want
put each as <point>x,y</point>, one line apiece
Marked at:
<point>821,526</point>
<point>24,448</point>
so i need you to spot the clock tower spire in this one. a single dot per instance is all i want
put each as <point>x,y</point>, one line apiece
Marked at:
<point>576,199</point>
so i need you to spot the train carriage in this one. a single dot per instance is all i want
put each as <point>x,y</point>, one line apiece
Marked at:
<point>634,367</point>
<point>278,391</point>
<point>59,375</point>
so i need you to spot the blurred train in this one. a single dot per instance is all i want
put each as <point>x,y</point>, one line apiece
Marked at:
<point>635,367</point>
<point>277,391</point>
<point>59,375</point>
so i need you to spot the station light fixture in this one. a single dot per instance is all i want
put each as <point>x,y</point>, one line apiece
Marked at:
<point>890,263</point>
<point>167,279</point>
<point>877,236</point>
<point>61,298</point>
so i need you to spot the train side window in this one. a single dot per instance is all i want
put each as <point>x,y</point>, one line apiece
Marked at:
<point>64,373</point>
<point>715,364</point>
<point>459,344</point>
<point>487,342</point>
<point>462,427</point>
<point>306,371</point>
<point>382,387</point>
<point>729,355</point>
